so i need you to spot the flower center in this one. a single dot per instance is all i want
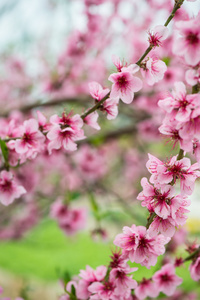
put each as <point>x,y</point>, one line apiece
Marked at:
<point>122,81</point>
<point>131,240</point>
<point>142,243</point>
<point>120,275</point>
<point>184,103</point>
<point>108,286</point>
<point>192,39</point>
<point>27,137</point>
<point>6,186</point>
<point>165,277</point>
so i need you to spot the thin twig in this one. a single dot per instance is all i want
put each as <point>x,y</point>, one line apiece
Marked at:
<point>177,5</point>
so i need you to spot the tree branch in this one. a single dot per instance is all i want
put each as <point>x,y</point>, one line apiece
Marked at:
<point>54,102</point>
<point>177,5</point>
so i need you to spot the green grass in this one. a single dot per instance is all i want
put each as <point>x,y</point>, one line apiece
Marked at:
<point>46,250</point>
<point>46,253</point>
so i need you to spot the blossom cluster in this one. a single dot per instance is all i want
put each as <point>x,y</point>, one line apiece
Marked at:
<point>160,197</point>
<point>195,269</point>
<point>70,220</point>
<point>181,122</point>
<point>116,282</point>
<point>23,140</point>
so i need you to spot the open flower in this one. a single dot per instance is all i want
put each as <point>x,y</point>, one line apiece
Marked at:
<point>96,91</point>
<point>125,84</point>
<point>31,141</point>
<point>157,35</point>
<point>166,280</point>
<point>65,131</point>
<point>153,70</point>
<point>139,247</point>
<point>195,269</point>
<point>188,45</point>
<point>9,189</point>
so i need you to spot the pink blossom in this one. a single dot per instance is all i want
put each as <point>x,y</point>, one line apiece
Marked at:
<point>153,70</point>
<point>166,280</point>
<point>96,91</point>
<point>117,260</point>
<point>165,172</point>
<point>146,288</point>
<point>62,138</point>
<point>195,269</point>
<point>192,76</point>
<point>89,276</point>
<point>42,121</point>
<point>8,129</point>
<point>196,148</point>
<point>157,35</point>
<point>103,291</point>
<point>91,120</point>
<point>31,140</point>
<point>14,158</point>
<point>9,189</point>
<point>181,105</point>
<point>179,216</point>
<point>75,221</point>
<point>59,210</point>
<point>161,201</point>
<point>188,45</point>
<point>128,241</point>
<point>149,248</point>
<point>69,219</point>
<point>117,62</point>
<point>170,130</point>
<point>191,129</point>
<point>125,84</point>
<point>163,226</point>
<point>65,131</point>
<point>124,283</point>
<point>173,74</point>
<point>139,247</point>
<point>111,107</point>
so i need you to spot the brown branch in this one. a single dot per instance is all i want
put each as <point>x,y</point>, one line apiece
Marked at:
<point>150,219</point>
<point>111,135</point>
<point>95,107</point>
<point>193,255</point>
<point>177,5</point>
<point>54,102</point>
<point>27,108</point>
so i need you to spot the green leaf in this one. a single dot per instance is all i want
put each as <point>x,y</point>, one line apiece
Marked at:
<point>73,290</point>
<point>96,141</point>
<point>66,277</point>
<point>166,60</point>
<point>93,203</point>
<point>4,150</point>
<point>73,293</point>
<point>74,195</point>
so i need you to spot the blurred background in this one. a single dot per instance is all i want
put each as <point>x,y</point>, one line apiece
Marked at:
<point>49,51</point>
